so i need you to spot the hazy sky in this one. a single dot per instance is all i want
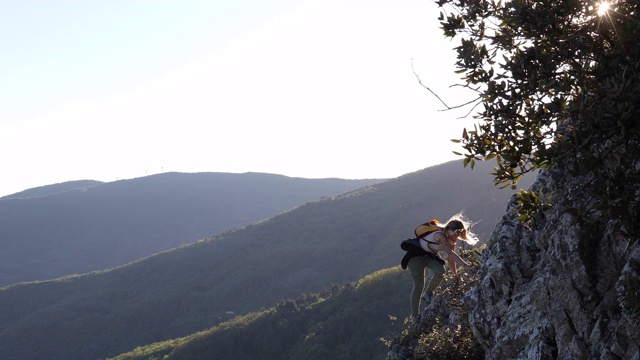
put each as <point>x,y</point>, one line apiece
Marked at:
<point>117,89</point>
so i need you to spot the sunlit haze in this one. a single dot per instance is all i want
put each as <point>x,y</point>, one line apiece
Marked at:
<point>603,7</point>
<point>108,89</point>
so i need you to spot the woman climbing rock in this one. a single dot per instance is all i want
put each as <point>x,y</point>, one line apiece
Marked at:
<point>423,253</point>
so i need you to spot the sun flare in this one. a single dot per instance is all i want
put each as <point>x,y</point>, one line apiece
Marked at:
<point>603,7</point>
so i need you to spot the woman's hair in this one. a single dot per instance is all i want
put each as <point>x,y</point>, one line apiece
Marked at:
<point>462,228</point>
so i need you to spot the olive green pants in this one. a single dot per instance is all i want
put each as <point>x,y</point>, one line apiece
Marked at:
<point>418,266</point>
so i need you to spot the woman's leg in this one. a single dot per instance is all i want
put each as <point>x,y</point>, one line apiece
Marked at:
<point>438,270</point>
<point>416,266</point>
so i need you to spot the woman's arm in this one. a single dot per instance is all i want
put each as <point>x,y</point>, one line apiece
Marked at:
<point>452,257</point>
<point>452,263</point>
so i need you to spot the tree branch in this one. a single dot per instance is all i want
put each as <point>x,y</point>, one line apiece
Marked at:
<point>438,97</point>
<point>431,91</point>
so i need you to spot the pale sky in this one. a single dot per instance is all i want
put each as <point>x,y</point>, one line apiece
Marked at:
<point>118,89</point>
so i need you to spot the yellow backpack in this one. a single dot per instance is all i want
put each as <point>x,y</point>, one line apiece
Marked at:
<point>427,228</point>
<point>413,247</point>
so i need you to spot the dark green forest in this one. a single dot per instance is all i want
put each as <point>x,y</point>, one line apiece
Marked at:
<point>343,322</point>
<point>179,292</point>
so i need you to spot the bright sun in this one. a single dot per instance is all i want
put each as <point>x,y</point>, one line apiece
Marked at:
<point>603,7</point>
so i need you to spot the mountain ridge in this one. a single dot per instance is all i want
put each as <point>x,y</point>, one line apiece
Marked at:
<point>78,227</point>
<point>52,189</point>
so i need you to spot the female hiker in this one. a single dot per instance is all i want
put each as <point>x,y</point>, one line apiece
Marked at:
<point>442,240</point>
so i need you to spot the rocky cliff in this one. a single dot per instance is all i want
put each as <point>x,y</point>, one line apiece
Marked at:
<point>564,288</point>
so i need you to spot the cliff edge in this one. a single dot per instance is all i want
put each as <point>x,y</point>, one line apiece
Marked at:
<point>562,288</point>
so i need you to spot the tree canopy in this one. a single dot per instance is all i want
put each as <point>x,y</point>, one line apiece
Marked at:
<point>557,86</point>
<point>545,71</point>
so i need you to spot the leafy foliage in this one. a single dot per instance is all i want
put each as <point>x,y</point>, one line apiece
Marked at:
<point>558,84</point>
<point>531,203</point>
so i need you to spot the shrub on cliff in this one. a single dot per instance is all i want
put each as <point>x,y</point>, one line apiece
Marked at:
<point>443,330</point>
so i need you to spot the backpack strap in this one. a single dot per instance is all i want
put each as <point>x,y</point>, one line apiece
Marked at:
<point>429,242</point>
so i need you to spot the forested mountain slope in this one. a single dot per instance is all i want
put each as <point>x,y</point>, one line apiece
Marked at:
<point>176,293</point>
<point>82,226</point>
<point>344,322</point>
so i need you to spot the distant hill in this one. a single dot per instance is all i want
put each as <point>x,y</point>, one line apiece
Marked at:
<point>179,292</point>
<point>79,185</point>
<point>82,226</point>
